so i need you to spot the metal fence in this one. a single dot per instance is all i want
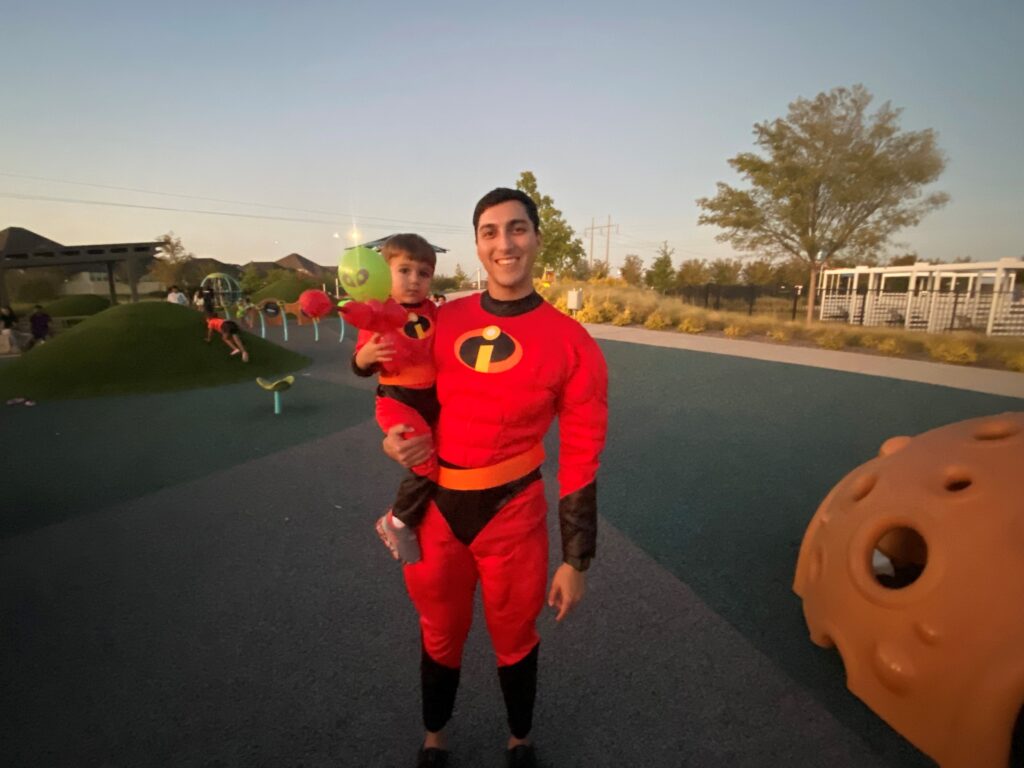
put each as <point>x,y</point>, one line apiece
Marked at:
<point>752,299</point>
<point>996,313</point>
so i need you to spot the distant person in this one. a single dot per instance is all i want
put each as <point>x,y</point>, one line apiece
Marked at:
<point>229,334</point>
<point>440,298</point>
<point>197,299</point>
<point>174,296</point>
<point>209,301</point>
<point>8,320</point>
<point>39,321</point>
<point>247,311</point>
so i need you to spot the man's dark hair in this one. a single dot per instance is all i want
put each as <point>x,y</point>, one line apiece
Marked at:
<point>503,195</point>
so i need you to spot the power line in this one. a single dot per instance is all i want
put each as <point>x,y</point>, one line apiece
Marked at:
<point>390,221</point>
<point>447,228</point>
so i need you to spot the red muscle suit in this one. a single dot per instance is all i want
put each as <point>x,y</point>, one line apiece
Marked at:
<point>405,388</point>
<point>505,370</point>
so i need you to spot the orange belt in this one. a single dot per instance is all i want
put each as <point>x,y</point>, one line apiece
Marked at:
<point>482,478</point>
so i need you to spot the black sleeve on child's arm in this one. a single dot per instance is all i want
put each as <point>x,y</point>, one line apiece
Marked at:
<point>364,372</point>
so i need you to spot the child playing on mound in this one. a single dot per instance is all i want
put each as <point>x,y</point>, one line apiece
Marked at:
<point>228,330</point>
<point>405,395</point>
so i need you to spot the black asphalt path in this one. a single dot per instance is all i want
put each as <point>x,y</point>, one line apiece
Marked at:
<point>192,581</point>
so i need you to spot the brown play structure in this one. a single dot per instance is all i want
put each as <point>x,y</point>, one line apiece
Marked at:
<point>913,568</point>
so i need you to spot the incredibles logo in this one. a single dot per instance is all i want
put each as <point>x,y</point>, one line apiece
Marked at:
<point>418,327</point>
<point>488,350</point>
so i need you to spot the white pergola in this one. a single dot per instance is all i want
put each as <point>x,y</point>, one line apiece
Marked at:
<point>985,296</point>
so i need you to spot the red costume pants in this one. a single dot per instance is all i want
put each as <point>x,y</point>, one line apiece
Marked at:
<point>509,558</point>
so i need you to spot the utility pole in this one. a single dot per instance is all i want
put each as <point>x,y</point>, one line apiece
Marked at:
<point>590,253</point>
<point>607,243</point>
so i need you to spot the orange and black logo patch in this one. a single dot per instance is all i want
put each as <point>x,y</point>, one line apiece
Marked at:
<point>418,327</point>
<point>488,350</point>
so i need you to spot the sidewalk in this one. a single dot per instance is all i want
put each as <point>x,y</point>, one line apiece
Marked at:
<point>986,380</point>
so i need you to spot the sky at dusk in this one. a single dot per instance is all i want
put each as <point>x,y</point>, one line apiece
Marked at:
<point>254,131</point>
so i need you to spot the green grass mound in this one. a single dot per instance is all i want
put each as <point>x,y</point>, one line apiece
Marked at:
<point>132,348</point>
<point>76,306</point>
<point>286,289</point>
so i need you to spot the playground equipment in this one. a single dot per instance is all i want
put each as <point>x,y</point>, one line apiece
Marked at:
<point>225,288</point>
<point>913,567</point>
<point>315,304</point>
<point>277,387</point>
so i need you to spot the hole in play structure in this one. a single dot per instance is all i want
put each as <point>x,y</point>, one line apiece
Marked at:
<point>899,557</point>
<point>997,429</point>
<point>863,485</point>
<point>957,482</point>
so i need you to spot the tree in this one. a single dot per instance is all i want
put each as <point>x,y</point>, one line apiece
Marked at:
<point>632,269</point>
<point>442,283</point>
<point>758,272</point>
<point>171,260</point>
<point>693,272</point>
<point>833,180</point>
<point>903,261</point>
<point>661,275</point>
<point>561,250</point>
<point>725,271</point>
<point>460,277</point>
<point>252,280</point>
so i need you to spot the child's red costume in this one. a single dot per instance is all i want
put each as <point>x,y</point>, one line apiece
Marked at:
<point>505,370</point>
<point>405,391</point>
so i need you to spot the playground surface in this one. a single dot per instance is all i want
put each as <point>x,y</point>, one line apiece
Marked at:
<point>187,579</point>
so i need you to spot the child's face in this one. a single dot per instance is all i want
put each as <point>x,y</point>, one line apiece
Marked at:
<point>410,280</point>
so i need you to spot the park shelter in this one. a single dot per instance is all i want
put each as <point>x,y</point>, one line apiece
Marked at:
<point>987,297</point>
<point>23,249</point>
<point>376,244</point>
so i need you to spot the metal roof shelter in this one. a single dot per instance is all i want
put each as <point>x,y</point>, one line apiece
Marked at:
<point>376,244</point>
<point>23,249</point>
<point>983,296</point>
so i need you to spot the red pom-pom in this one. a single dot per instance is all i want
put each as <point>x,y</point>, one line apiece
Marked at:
<point>315,304</point>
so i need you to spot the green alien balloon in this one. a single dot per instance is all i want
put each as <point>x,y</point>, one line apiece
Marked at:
<point>364,274</point>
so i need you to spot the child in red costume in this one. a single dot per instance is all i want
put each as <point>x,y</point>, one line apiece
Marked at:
<point>507,364</point>
<point>406,394</point>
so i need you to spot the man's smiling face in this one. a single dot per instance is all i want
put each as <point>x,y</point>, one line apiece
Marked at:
<point>507,245</point>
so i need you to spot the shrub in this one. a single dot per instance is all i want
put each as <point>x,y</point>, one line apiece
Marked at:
<point>890,346</point>
<point>952,350</point>
<point>779,334</point>
<point>831,339</point>
<point>625,317</point>
<point>656,321</point>
<point>1014,361</point>
<point>736,331</point>
<point>561,304</point>
<point>692,324</point>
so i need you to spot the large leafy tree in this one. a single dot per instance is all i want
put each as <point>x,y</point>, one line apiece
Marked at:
<point>171,261</point>
<point>632,269</point>
<point>662,275</point>
<point>693,272</point>
<point>561,251</point>
<point>832,180</point>
<point>758,272</point>
<point>725,271</point>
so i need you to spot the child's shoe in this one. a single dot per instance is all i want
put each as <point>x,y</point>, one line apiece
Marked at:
<point>400,539</point>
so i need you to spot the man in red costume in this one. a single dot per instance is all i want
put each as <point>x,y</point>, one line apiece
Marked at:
<point>507,364</point>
